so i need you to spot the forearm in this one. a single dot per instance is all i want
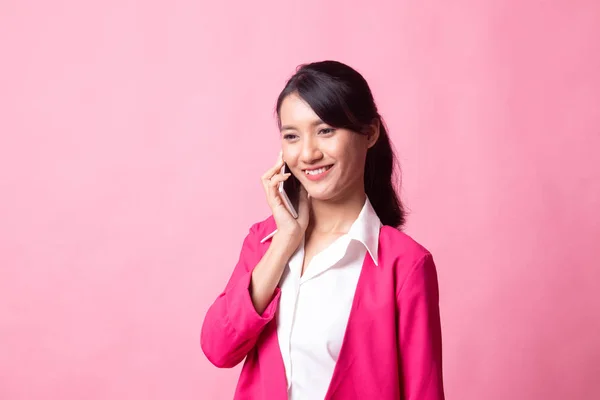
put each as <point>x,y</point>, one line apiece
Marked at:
<point>267,273</point>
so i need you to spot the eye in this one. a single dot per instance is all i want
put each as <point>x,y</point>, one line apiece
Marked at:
<point>290,136</point>
<point>326,131</point>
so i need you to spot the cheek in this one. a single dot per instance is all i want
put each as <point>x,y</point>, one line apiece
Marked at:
<point>339,150</point>
<point>290,155</point>
<point>352,159</point>
<point>347,147</point>
<point>352,163</point>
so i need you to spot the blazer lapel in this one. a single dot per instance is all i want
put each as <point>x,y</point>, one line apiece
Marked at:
<point>275,381</point>
<point>358,323</point>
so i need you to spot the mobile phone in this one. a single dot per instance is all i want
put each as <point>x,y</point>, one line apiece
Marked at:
<point>290,192</point>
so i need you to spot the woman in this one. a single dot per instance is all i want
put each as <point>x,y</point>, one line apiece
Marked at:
<point>338,303</point>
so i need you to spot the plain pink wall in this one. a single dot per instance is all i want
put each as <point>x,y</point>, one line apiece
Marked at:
<point>133,135</point>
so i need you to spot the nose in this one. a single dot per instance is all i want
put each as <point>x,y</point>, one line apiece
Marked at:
<point>310,150</point>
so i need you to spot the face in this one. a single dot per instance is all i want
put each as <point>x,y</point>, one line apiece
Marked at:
<point>328,161</point>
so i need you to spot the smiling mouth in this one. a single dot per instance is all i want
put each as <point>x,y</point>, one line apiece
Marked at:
<point>313,172</point>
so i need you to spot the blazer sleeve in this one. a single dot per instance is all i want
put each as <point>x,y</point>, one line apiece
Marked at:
<point>232,326</point>
<point>419,333</point>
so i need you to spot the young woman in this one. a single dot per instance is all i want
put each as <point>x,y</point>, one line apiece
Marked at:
<point>338,303</point>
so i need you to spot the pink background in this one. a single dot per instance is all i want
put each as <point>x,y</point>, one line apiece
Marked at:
<point>133,135</point>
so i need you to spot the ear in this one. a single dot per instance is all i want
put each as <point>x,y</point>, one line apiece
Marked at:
<point>373,132</point>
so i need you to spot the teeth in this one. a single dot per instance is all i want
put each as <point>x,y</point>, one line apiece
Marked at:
<point>316,171</point>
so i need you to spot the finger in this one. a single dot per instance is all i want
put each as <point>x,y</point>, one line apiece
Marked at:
<point>277,179</point>
<point>275,169</point>
<point>271,191</point>
<point>271,185</point>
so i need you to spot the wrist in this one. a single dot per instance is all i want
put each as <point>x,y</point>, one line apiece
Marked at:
<point>284,244</point>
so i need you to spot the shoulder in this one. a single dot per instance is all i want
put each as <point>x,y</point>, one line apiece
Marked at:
<point>408,260</point>
<point>253,247</point>
<point>263,227</point>
<point>395,244</point>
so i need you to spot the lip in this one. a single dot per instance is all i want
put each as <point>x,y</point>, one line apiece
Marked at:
<point>319,176</point>
<point>318,167</point>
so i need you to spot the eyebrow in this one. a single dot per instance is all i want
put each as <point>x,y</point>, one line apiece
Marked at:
<point>316,122</point>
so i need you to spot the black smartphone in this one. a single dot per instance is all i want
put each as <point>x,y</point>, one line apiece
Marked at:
<point>290,192</point>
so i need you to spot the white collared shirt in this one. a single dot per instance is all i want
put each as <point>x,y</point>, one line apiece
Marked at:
<point>314,308</point>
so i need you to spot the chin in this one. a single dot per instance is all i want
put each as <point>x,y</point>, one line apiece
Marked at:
<point>322,195</point>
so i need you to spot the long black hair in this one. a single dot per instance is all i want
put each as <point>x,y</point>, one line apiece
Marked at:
<point>341,97</point>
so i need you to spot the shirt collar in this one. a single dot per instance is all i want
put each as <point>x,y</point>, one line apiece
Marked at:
<point>365,229</point>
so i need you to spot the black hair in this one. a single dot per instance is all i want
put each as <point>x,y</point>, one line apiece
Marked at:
<point>341,97</point>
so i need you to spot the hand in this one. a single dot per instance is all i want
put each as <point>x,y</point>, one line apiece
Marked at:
<point>291,229</point>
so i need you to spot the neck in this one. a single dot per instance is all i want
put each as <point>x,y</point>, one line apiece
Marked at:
<point>336,216</point>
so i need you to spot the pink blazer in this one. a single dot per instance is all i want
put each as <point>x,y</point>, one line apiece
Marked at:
<point>392,348</point>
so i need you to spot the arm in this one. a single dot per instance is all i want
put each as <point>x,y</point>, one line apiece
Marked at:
<point>419,333</point>
<point>239,314</point>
